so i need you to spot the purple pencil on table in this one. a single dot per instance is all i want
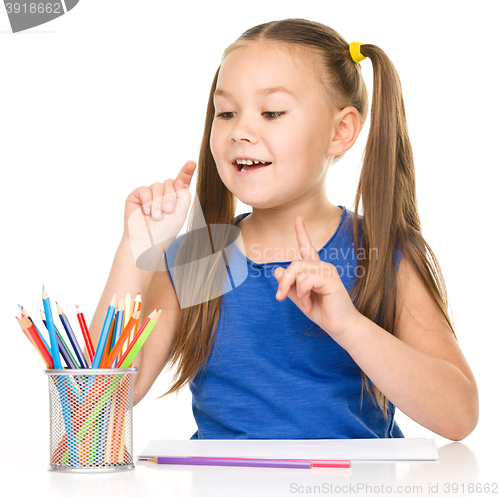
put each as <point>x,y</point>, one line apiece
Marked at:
<point>221,461</point>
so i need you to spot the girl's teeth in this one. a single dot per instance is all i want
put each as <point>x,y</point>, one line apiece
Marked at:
<point>249,162</point>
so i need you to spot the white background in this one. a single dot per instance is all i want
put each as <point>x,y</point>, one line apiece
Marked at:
<point>113,96</point>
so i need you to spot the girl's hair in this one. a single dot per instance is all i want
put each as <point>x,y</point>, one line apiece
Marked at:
<point>386,191</point>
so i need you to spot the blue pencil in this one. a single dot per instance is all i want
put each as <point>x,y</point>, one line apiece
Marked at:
<point>63,348</point>
<point>118,328</point>
<point>54,348</point>
<point>104,334</point>
<point>72,337</point>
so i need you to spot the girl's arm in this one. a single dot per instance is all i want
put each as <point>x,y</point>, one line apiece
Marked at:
<point>420,369</point>
<point>152,214</point>
<point>153,356</point>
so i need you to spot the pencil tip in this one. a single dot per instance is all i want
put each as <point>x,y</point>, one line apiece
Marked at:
<point>43,287</point>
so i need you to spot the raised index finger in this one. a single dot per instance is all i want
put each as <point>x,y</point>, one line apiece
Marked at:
<point>306,248</point>
<point>185,175</point>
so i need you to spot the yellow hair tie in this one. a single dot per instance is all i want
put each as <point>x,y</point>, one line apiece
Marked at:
<point>355,51</point>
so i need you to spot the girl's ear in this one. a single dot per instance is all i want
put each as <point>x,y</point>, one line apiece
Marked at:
<point>346,131</point>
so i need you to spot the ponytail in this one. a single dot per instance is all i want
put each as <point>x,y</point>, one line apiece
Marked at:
<point>390,220</point>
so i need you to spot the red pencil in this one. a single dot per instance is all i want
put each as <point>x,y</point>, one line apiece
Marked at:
<point>85,333</point>
<point>30,329</point>
<point>31,341</point>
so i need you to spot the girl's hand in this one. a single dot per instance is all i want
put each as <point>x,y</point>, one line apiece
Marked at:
<point>156,214</point>
<point>316,288</point>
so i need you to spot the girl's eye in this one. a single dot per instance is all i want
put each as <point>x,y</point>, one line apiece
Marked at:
<point>223,115</point>
<point>276,114</point>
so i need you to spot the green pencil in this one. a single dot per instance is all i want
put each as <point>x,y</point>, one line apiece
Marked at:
<point>126,360</point>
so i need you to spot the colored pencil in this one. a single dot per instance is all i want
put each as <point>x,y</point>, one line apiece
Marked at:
<point>326,463</point>
<point>25,331</point>
<point>34,345</point>
<point>101,445</point>
<point>86,446</point>
<point>104,334</point>
<point>110,430</point>
<point>85,333</point>
<point>127,310</point>
<point>24,312</point>
<point>54,348</point>
<point>63,348</point>
<point>139,340</point>
<point>72,337</point>
<point>119,325</point>
<point>220,461</point>
<point>133,341</point>
<point>123,337</point>
<point>108,342</point>
<point>36,338</point>
<point>136,307</point>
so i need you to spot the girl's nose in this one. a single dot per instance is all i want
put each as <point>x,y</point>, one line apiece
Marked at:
<point>244,130</point>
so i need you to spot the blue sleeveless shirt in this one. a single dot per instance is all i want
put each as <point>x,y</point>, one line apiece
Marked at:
<point>273,373</point>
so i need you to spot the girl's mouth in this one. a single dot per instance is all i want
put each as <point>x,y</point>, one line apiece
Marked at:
<point>244,169</point>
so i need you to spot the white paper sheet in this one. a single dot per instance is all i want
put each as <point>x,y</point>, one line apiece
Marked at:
<point>373,449</point>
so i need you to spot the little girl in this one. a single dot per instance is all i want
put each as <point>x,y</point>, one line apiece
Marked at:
<point>317,321</point>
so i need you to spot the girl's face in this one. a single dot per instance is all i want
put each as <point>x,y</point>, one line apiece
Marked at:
<point>269,107</point>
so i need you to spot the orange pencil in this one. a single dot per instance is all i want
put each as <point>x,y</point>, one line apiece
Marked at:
<point>137,307</point>
<point>86,445</point>
<point>136,338</point>
<point>119,344</point>
<point>108,342</point>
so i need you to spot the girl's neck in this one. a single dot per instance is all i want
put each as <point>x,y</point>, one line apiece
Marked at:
<point>275,229</point>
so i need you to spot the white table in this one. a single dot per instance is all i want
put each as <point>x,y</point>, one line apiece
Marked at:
<point>24,468</point>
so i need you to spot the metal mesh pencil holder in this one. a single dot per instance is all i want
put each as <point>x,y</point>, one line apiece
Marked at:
<point>90,420</point>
